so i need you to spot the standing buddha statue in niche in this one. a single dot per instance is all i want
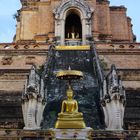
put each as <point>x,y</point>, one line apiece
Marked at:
<point>73,35</point>
<point>69,117</point>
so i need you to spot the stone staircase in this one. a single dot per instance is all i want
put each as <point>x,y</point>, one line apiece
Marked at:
<point>87,91</point>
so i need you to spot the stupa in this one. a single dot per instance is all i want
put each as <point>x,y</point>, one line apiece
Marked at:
<point>52,36</point>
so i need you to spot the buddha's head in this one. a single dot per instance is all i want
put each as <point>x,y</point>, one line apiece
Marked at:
<point>69,93</point>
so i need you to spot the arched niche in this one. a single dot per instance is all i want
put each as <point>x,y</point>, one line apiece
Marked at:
<point>73,25</point>
<point>77,9</point>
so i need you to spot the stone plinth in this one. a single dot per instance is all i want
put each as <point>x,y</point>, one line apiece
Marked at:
<point>72,134</point>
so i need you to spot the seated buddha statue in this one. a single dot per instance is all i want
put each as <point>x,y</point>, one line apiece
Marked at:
<point>69,117</point>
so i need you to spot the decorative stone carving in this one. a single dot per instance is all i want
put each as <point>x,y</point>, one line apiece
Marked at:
<point>33,101</point>
<point>30,60</point>
<point>113,101</point>
<point>29,4</point>
<point>80,4</point>
<point>7,60</point>
<point>84,12</point>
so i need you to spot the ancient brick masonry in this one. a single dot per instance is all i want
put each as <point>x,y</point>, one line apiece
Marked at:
<point>36,31</point>
<point>36,21</point>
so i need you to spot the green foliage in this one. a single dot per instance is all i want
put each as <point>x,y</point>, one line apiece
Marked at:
<point>40,69</point>
<point>52,114</point>
<point>103,64</point>
<point>15,15</point>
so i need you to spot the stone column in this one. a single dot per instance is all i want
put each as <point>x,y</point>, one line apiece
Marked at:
<point>83,31</point>
<point>62,31</point>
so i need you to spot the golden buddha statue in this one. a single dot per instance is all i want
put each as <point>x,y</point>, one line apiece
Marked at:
<point>69,117</point>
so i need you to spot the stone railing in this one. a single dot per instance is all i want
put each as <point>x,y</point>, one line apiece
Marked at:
<point>49,134</point>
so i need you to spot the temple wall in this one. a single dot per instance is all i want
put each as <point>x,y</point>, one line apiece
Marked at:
<point>119,25</point>
<point>103,18</point>
<point>17,37</point>
<point>28,27</point>
<point>39,21</point>
<point>46,19</point>
<point>38,24</point>
<point>92,4</point>
<point>12,85</point>
<point>123,61</point>
<point>130,84</point>
<point>17,61</point>
<point>13,73</point>
<point>130,31</point>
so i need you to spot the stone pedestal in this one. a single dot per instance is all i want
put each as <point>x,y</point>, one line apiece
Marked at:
<point>70,123</point>
<point>72,134</point>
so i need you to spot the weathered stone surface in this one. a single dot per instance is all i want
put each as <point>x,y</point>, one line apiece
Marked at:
<point>35,22</point>
<point>49,134</point>
<point>31,21</point>
<point>10,110</point>
<point>86,90</point>
<point>132,112</point>
<point>14,75</point>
